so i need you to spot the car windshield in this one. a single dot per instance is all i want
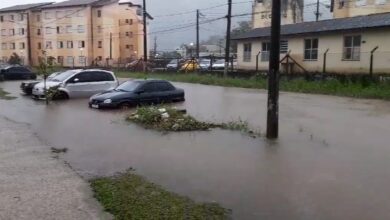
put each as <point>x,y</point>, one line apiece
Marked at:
<point>63,76</point>
<point>129,86</point>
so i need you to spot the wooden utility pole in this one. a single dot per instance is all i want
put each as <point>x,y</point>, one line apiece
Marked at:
<point>228,30</point>
<point>273,74</point>
<point>197,34</point>
<point>155,46</point>
<point>110,46</point>
<point>145,36</point>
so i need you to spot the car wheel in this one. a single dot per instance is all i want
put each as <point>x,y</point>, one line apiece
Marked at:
<point>61,96</point>
<point>125,106</point>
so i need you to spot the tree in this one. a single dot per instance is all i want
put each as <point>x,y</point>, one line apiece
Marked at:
<point>46,66</point>
<point>15,59</point>
<point>243,27</point>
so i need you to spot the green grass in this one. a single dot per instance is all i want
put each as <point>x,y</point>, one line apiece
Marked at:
<point>129,196</point>
<point>327,87</point>
<point>5,95</point>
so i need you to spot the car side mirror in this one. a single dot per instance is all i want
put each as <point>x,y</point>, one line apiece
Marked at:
<point>76,80</point>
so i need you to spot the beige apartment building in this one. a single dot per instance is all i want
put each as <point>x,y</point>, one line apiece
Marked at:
<point>78,33</point>
<point>342,45</point>
<point>292,12</point>
<point>349,8</point>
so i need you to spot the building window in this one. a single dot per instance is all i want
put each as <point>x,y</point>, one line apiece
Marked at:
<point>70,60</point>
<point>39,46</point>
<point>265,48</point>
<point>11,32</point>
<point>21,31</point>
<point>283,46</point>
<point>4,46</point>
<point>3,32</point>
<point>81,44</point>
<point>247,52</point>
<point>47,15</point>
<point>100,44</point>
<point>360,3</point>
<point>21,17</point>
<point>12,46</point>
<point>341,4</point>
<point>59,30</point>
<point>49,45</point>
<point>129,21</point>
<point>38,31</point>
<point>22,45</point>
<point>11,17</point>
<point>69,44</point>
<point>311,49</point>
<point>60,59</point>
<point>81,59</point>
<point>99,29</point>
<point>352,47</point>
<point>69,29</point>
<point>99,13</point>
<point>38,18</point>
<point>99,58</point>
<point>1,18</point>
<point>60,44</point>
<point>80,28</point>
<point>48,30</point>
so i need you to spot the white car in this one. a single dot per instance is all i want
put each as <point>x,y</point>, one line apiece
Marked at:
<point>78,83</point>
<point>220,64</point>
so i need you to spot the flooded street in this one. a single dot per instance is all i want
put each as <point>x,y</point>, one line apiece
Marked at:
<point>331,162</point>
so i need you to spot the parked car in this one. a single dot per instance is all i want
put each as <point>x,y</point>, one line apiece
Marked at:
<point>137,92</point>
<point>28,86</point>
<point>16,72</point>
<point>173,65</point>
<point>220,64</point>
<point>204,64</point>
<point>78,83</point>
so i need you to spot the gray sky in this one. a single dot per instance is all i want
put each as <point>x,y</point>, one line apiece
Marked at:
<point>171,39</point>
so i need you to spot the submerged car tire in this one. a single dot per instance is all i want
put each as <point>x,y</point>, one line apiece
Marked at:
<point>61,96</point>
<point>125,105</point>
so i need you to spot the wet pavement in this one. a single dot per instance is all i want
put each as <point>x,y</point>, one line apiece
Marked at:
<point>331,162</point>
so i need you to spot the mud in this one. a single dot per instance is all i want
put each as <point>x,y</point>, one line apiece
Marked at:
<point>331,161</point>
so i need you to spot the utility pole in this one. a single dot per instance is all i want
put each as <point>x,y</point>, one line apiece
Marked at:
<point>155,46</point>
<point>110,46</point>
<point>318,11</point>
<point>29,40</point>
<point>228,30</point>
<point>197,34</point>
<point>273,74</point>
<point>145,36</point>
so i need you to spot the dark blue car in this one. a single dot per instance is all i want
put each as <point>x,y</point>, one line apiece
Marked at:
<point>136,92</point>
<point>16,72</point>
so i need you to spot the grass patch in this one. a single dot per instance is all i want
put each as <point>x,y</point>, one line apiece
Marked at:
<point>130,196</point>
<point>378,90</point>
<point>5,95</point>
<point>170,119</point>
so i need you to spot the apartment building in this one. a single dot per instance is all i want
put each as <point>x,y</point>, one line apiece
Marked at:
<point>292,12</point>
<point>78,33</point>
<point>14,31</point>
<point>351,8</point>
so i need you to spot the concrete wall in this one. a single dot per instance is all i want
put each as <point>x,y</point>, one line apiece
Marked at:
<point>335,62</point>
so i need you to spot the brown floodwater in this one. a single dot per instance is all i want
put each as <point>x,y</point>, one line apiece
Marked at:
<point>331,162</point>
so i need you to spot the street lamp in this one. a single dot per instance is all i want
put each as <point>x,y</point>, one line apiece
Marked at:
<point>191,47</point>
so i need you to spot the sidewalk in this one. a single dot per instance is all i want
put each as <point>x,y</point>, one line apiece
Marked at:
<point>34,185</point>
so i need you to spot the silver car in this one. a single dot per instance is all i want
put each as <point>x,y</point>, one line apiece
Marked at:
<point>78,83</point>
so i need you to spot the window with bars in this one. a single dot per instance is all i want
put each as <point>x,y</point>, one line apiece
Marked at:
<point>311,49</point>
<point>283,46</point>
<point>352,48</point>
<point>247,52</point>
<point>265,48</point>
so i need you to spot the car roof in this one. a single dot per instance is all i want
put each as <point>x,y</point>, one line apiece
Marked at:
<point>149,80</point>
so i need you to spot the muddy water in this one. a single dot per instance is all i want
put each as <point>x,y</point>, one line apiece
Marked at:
<point>331,162</point>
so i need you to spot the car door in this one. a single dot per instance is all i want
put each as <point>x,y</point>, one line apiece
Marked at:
<point>148,94</point>
<point>80,85</point>
<point>162,92</point>
<point>104,81</point>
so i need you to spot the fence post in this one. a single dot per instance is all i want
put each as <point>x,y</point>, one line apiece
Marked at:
<point>372,60</point>
<point>211,63</point>
<point>257,61</point>
<point>324,66</point>
<point>287,64</point>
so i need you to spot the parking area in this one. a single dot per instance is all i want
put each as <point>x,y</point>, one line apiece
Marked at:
<point>331,161</point>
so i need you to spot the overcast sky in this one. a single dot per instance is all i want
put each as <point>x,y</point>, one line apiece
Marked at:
<point>161,8</point>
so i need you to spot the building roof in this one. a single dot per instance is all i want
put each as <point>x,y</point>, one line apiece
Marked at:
<point>24,7</point>
<point>71,3</point>
<point>332,25</point>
